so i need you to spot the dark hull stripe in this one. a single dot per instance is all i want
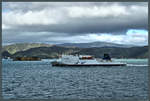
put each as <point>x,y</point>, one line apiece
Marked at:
<point>88,64</point>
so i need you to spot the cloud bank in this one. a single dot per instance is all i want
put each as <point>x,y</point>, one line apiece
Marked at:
<point>59,22</point>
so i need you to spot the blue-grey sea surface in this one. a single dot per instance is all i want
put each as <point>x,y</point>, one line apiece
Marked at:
<point>39,80</point>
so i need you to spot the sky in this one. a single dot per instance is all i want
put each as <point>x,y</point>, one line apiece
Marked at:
<point>75,22</point>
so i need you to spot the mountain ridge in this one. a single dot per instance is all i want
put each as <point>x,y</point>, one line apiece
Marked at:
<point>53,51</point>
<point>94,44</point>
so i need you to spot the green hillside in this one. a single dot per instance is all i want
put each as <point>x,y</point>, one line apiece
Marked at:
<point>22,47</point>
<point>53,51</point>
<point>45,52</point>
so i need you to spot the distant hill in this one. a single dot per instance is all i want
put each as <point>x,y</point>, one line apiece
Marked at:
<point>22,47</point>
<point>94,44</point>
<point>6,54</point>
<point>53,51</point>
<point>45,52</point>
<point>25,46</point>
<point>132,52</point>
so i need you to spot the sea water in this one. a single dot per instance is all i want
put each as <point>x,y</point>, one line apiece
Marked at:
<point>39,80</point>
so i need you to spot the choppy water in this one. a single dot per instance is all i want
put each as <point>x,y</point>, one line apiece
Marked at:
<point>39,80</point>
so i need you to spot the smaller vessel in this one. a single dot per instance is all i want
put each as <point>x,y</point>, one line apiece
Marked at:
<point>85,60</point>
<point>7,59</point>
<point>26,59</point>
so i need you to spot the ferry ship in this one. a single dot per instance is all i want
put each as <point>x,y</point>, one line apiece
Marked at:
<point>85,60</point>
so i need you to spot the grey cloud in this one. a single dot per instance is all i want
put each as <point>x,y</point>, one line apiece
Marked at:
<point>36,6</point>
<point>88,25</point>
<point>74,26</point>
<point>85,24</point>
